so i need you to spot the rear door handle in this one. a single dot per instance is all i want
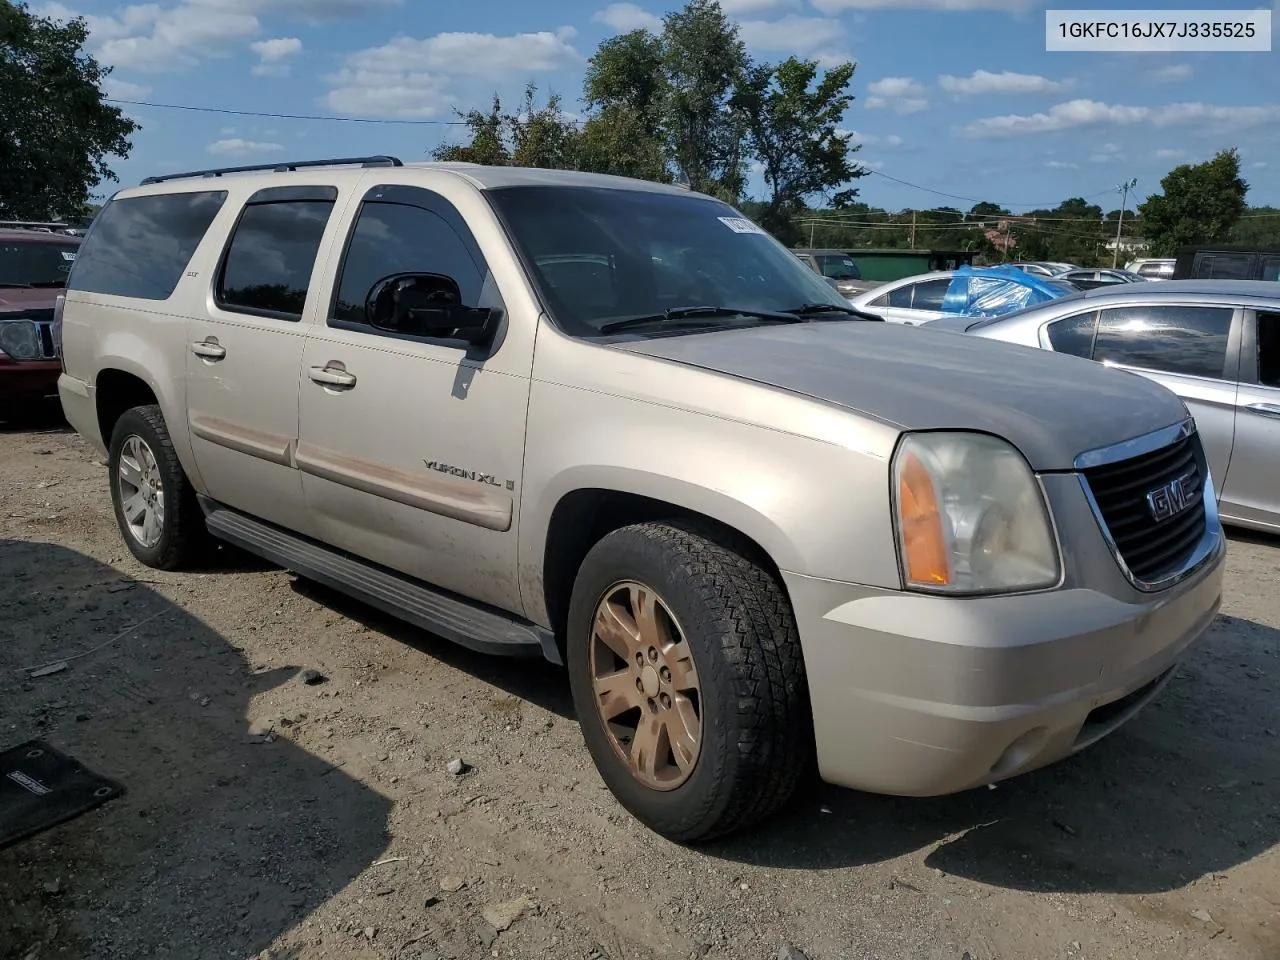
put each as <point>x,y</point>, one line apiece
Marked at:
<point>1265,409</point>
<point>333,377</point>
<point>209,349</point>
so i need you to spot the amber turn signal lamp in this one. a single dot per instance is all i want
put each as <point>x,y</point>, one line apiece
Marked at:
<point>924,547</point>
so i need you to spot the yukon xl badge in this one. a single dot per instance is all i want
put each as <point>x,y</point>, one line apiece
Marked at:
<point>476,475</point>
<point>1172,498</point>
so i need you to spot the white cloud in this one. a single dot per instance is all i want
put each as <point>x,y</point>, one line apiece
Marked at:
<point>901,94</point>
<point>273,51</point>
<point>1259,165</point>
<point>235,147</point>
<point>1172,73</point>
<point>625,17</point>
<point>1166,153</point>
<point>896,87</point>
<point>272,55</point>
<point>1107,153</point>
<point>410,78</point>
<point>754,7</point>
<point>793,34</point>
<point>982,82</point>
<point>1088,113</point>
<point>1062,165</point>
<point>152,37</point>
<point>1007,6</point>
<point>871,139</point>
<point>117,89</point>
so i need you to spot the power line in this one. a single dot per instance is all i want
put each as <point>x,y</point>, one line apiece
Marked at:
<point>955,196</point>
<point>284,116</point>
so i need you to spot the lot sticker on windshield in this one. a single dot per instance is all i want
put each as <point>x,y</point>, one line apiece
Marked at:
<point>739,224</point>
<point>69,257</point>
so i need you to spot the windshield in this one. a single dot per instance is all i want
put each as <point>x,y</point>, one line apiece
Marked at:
<point>839,268</point>
<point>600,255</point>
<point>33,263</point>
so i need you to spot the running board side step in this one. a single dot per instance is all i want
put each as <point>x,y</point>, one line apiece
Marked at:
<point>466,623</point>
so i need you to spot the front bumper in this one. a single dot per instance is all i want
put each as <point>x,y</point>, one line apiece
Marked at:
<point>28,379</point>
<point>919,695</point>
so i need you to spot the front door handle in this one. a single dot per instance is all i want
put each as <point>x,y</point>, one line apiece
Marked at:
<point>1265,409</point>
<point>333,377</point>
<point>209,349</point>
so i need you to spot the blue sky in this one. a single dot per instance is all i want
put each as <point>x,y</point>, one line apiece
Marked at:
<point>954,95</point>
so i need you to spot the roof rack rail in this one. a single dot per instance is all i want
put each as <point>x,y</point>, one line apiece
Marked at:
<point>376,161</point>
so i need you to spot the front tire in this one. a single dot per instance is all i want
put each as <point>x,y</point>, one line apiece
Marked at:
<point>688,680</point>
<point>155,504</point>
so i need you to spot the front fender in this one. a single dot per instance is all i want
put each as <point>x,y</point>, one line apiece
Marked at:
<point>816,507</point>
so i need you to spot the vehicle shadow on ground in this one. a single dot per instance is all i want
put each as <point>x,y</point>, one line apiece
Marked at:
<point>1184,790</point>
<point>33,416</point>
<point>532,679</point>
<point>222,842</point>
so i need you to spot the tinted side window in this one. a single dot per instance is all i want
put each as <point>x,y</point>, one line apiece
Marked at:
<point>1073,335</point>
<point>880,301</point>
<point>399,238</point>
<point>268,264</point>
<point>929,295</point>
<point>1225,267</point>
<point>1270,269</point>
<point>140,246</point>
<point>901,297</point>
<point>1188,340</point>
<point>1269,349</point>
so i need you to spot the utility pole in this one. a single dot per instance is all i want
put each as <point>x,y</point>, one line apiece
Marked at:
<point>913,229</point>
<point>1124,189</point>
<point>813,225</point>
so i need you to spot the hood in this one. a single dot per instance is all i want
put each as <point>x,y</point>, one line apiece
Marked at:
<point>1050,406</point>
<point>13,299</point>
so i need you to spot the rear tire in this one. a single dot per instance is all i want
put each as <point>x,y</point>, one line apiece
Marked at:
<point>724,706</point>
<point>155,504</point>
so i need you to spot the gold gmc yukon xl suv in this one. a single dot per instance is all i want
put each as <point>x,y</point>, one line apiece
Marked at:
<point>614,424</point>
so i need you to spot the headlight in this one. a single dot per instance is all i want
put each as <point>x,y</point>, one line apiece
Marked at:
<point>19,339</point>
<point>971,517</point>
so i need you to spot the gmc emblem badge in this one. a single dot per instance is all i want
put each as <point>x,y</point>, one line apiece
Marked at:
<point>1172,498</point>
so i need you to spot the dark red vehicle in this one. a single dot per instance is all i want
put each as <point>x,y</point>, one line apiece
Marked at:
<point>33,273</point>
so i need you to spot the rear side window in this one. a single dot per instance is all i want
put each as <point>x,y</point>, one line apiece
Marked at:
<point>1224,267</point>
<point>1270,269</point>
<point>1073,335</point>
<point>901,297</point>
<point>1174,339</point>
<point>268,263</point>
<point>140,246</point>
<point>930,294</point>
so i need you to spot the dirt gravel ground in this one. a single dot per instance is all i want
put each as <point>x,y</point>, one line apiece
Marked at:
<point>266,817</point>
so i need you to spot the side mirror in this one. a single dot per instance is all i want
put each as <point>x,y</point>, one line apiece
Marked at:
<point>427,305</point>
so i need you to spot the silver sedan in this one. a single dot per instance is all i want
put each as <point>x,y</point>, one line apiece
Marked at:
<point>1215,343</point>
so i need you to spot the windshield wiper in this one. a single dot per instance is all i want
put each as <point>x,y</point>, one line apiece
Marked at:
<point>813,309</point>
<point>702,314</point>
<point>14,286</point>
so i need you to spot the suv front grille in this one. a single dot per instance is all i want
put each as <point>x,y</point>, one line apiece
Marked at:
<point>1151,544</point>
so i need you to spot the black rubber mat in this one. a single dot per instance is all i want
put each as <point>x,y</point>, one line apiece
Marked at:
<point>41,788</point>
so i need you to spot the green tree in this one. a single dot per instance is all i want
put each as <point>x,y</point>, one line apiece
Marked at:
<point>618,140</point>
<point>1259,227</point>
<point>675,89</point>
<point>55,131</point>
<point>703,61</point>
<point>792,120</point>
<point>532,136</point>
<point>1200,203</point>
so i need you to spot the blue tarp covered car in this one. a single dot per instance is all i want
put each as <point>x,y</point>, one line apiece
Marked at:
<point>995,291</point>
